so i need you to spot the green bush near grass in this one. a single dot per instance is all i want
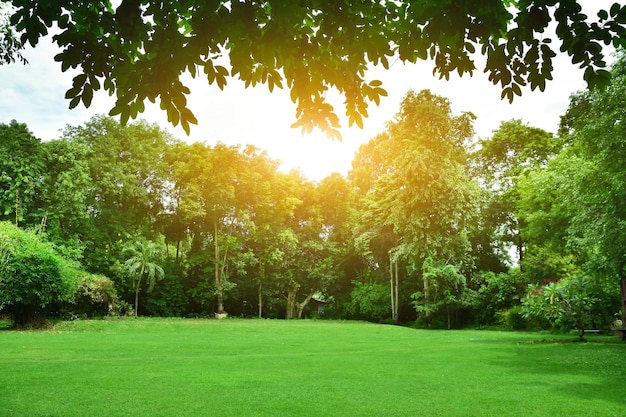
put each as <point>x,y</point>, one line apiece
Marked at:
<point>512,318</point>
<point>180,367</point>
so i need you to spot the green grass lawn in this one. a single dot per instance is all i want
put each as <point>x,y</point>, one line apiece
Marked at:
<point>163,367</point>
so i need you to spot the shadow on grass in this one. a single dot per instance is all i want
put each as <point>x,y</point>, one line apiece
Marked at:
<point>35,324</point>
<point>589,371</point>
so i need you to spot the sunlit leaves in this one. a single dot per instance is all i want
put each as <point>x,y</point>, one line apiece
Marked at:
<point>417,195</point>
<point>141,49</point>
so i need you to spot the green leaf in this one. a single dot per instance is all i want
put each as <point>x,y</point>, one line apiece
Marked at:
<point>87,95</point>
<point>74,102</point>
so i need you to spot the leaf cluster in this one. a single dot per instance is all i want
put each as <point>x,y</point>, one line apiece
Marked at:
<point>139,49</point>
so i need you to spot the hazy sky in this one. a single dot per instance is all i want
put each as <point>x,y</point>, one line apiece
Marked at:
<point>34,94</point>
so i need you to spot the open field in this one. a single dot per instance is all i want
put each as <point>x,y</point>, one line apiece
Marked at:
<point>168,367</point>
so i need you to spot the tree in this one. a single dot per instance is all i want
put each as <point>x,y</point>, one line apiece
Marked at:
<point>22,163</point>
<point>368,301</point>
<point>309,258</point>
<point>495,293</point>
<point>125,183</point>
<point>33,275</point>
<point>446,287</point>
<point>420,198</point>
<point>272,203</point>
<point>500,163</point>
<point>67,186</point>
<point>140,49</point>
<point>595,127</point>
<point>141,262</point>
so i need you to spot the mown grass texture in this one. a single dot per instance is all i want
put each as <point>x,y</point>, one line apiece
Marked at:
<point>168,367</point>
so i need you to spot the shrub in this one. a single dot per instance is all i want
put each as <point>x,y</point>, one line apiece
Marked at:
<point>95,296</point>
<point>369,302</point>
<point>497,293</point>
<point>576,302</point>
<point>512,318</point>
<point>32,274</point>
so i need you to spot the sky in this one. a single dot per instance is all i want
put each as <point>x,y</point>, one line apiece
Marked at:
<point>34,94</point>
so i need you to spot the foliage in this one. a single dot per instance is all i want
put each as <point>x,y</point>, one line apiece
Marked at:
<point>140,49</point>
<point>587,182</point>
<point>369,301</point>
<point>574,302</point>
<point>34,276</point>
<point>21,174</point>
<point>239,232</point>
<point>500,163</point>
<point>66,189</point>
<point>141,262</point>
<point>444,290</point>
<point>496,292</point>
<point>512,318</point>
<point>95,296</point>
<point>121,186</point>
<point>10,44</point>
<point>169,298</point>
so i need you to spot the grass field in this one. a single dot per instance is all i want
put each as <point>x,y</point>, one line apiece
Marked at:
<point>163,367</point>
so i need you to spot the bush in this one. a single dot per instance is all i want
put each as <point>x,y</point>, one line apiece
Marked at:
<point>95,296</point>
<point>369,302</point>
<point>496,294</point>
<point>576,302</point>
<point>512,318</point>
<point>32,274</point>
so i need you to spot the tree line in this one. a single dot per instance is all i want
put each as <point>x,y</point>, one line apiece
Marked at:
<point>422,229</point>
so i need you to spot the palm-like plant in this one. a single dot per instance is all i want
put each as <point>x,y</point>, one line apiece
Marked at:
<point>142,255</point>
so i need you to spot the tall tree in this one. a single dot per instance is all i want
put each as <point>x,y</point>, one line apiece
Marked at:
<point>500,162</point>
<point>423,192</point>
<point>127,181</point>
<point>139,49</point>
<point>597,130</point>
<point>66,190</point>
<point>211,193</point>
<point>22,164</point>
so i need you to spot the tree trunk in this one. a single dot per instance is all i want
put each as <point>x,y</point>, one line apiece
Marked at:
<point>219,288</point>
<point>393,283</point>
<point>395,318</point>
<point>427,299</point>
<point>393,305</point>
<point>623,287</point>
<point>520,250</point>
<point>22,315</point>
<point>291,303</point>
<point>260,299</point>
<point>137,294</point>
<point>303,304</point>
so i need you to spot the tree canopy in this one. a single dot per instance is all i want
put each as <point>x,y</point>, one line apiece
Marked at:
<point>140,49</point>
